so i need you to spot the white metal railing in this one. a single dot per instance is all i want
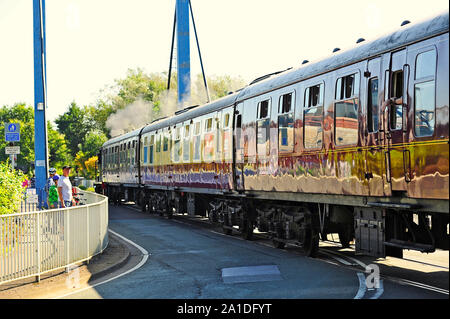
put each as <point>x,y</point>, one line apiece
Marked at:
<point>37,242</point>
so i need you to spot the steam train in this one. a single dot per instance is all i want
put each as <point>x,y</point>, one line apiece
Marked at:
<point>355,144</point>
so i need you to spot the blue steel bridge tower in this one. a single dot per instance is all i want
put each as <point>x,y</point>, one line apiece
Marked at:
<point>183,9</point>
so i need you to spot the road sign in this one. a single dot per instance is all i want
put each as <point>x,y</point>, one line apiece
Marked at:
<point>12,132</point>
<point>10,150</point>
<point>32,199</point>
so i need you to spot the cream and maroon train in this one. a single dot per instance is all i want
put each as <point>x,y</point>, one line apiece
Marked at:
<point>357,144</point>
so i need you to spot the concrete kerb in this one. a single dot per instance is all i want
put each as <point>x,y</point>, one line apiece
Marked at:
<point>115,256</point>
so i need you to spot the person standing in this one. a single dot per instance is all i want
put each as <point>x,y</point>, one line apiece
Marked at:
<point>51,173</point>
<point>53,194</point>
<point>49,184</point>
<point>65,188</point>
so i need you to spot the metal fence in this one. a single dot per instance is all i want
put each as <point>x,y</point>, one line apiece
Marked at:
<point>34,243</point>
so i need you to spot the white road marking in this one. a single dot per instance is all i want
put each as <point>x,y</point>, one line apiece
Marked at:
<point>379,292</point>
<point>362,286</point>
<point>145,255</point>
<point>363,265</point>
<point>335,257</point>
<point>417,284</point>
<point>397,280</point>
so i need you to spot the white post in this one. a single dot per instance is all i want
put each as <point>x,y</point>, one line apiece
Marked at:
<point>87,232</point>
<point>66,237</point>
<point>38,251</point>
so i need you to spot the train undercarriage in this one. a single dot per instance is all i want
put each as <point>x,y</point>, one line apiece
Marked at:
<point>375,231</point>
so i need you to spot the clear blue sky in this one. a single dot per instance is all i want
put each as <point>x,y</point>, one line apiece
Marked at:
<point>92,42</point>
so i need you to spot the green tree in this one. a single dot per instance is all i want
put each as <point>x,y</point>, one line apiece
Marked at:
<point>74,124</point>
<point>23,114</point>
<point>11,190</point>
<point>98,114</point>
<point>59,153</point>
<point>92,143</point>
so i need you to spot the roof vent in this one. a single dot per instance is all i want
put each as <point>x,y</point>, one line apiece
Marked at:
<point>405,23</point>
<point>305,61</point>
<point>336,50</point>
<point>360,40</point>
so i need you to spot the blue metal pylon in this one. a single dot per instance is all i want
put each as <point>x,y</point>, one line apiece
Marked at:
<point>181,26</point>
<point>40,99</point>
<point>183,52</point>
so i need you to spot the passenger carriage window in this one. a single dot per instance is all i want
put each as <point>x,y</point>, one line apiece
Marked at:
<point>425,65</point>
<point>346,110</point>
<point>197,140</point>
<point>238,132</point>
<point>145,150</point>
<point>158,143</point>
<point>186,143</point>
<point>208,125</point>
<point>166,142</point>
<point>176,149</point>
<point>226,120</point>
<point>347,86</point>
<point>424,93</point>
<point>372,106</point>
<point>396,111</point>
<point>208,150</point>
<point>263,109</point>
<point>286,123</point>
<point>263,128</point>
<point>151,149</point>
<point>227,141</point>
<point>313,116</point>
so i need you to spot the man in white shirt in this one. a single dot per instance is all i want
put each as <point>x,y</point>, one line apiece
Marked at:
<point>65,188</point>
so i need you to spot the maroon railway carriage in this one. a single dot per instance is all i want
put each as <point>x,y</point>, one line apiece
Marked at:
<point>356,144</point>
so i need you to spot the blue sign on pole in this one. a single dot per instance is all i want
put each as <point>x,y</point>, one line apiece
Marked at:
<point>12,132</point>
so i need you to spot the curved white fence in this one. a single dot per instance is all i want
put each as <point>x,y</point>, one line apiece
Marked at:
<point>37,242</point>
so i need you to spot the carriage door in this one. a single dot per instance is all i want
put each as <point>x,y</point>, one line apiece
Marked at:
<point>375,164</point>
<point>238,167</point>
<point>397,157</point>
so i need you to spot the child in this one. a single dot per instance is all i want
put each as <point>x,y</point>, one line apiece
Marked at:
<point>53,194</point>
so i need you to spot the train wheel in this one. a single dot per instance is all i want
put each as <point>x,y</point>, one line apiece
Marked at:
<point>246,229</point>
<point>345,236</point>
<point>311,243</point>
<point>278,244</point>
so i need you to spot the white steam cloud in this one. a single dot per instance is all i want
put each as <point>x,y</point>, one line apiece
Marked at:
<point>133,116</point>
<point>140,112</point>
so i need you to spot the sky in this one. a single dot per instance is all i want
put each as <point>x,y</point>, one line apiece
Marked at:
<point>90,43</point>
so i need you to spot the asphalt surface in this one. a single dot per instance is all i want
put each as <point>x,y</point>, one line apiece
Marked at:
<point>185,260</point>
<point>153,257</point>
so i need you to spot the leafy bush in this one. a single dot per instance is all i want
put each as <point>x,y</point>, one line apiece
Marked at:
<point>82,187</point>
<point>91,189</point>
<point>11,190</point>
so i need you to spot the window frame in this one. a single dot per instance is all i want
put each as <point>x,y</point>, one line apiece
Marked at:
<point>353,96</point>
<point>269,108</point>
<point>422,80</point>
<point>370,105</point>
<point>321,84</point>
<point>281,114</point>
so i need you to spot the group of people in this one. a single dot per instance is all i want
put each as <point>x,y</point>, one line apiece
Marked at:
<point>59,189</point>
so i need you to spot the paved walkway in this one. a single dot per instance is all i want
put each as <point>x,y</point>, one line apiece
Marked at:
<point>59,282</point>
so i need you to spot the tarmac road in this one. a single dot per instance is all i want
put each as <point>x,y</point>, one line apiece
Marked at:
<point>177,260</point>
